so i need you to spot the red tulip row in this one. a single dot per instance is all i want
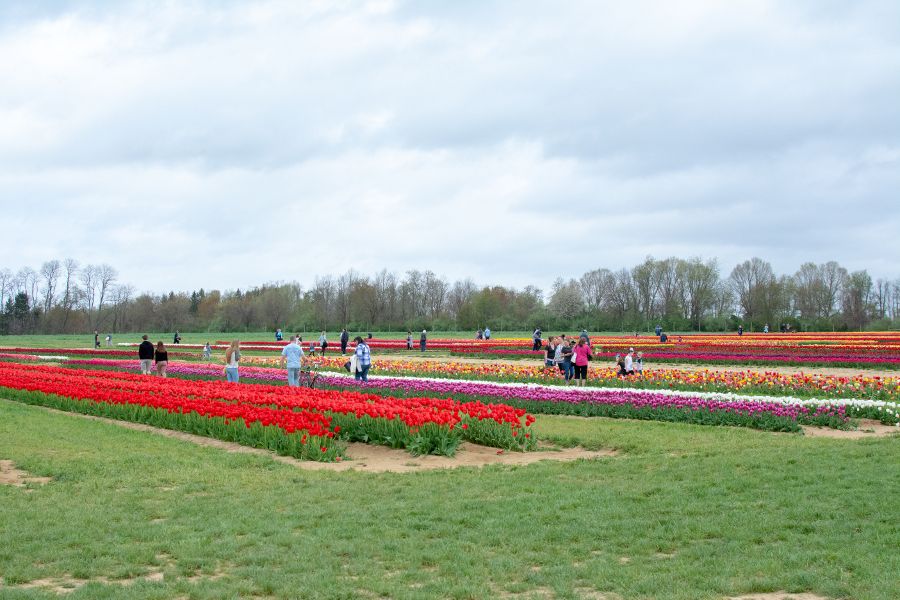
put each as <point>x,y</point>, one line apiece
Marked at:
<point>315,412</point>
<point>96,351</point>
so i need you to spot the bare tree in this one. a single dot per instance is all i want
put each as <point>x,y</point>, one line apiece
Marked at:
<point>121,297</point>
<point>412,296</point>
<point>96,281</point>
<point>751,281</point>
<point>881,298</point>
<point>50,271</point>
<point>6,286</point>
<point>647,278</point>
<point>834,277</point>
<point>28,283</point>
<point>70,293</point>
<point>459,296</point>
<point>435,293</point>
<point>566,301</point>
<point>670,286</point>
<point>322,295</point>
<point>700,286</point>
<point>343,295</point>
<point>89,281</point>
<point>385,286</point>
<point>856,298</point>
<point>597,286</point>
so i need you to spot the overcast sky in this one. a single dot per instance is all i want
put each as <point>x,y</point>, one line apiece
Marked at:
<point>227,144</point>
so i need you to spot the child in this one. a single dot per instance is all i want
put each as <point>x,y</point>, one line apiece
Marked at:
<point>207,351</point>
<point>639,364</point>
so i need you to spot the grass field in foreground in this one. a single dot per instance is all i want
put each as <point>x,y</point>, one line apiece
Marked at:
<point>683,512</point>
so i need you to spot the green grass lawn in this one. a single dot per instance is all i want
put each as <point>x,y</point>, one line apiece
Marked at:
<point>683,512</point>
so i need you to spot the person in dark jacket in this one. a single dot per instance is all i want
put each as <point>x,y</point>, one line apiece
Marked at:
<point>161,358</point>
<point>345,337</point>
<point>145,353</point>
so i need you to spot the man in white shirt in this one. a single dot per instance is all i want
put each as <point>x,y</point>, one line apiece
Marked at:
<point>629,363</point>
<point>292,355</point>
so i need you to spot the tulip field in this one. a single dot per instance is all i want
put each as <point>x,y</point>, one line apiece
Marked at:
<point>711,487</point>
<point>298,422</point>
<point>880,349</point>
<point>774,413</point>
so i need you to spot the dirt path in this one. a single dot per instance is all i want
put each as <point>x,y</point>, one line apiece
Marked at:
<point>868,428</point>
<point>12,475</point>
<point>376,459</point>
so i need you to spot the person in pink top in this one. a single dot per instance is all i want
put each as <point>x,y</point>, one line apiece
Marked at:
<point>582,354</point>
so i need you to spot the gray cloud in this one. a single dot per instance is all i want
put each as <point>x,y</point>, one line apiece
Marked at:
<point>281,140</point>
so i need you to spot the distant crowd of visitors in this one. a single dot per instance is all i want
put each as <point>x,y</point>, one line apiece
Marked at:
<point>571,356</point>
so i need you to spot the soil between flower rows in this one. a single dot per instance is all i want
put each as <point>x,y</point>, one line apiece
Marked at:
<point>377,459</point>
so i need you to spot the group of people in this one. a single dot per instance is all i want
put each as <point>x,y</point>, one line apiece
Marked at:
<point>483,334</point>
<point>629,365</point>
<point>292,357</point>
<point>423,340</point>
<point>97,339</point>
<point>323,341</point>
<point>153,358</point>
<point>570,356</point>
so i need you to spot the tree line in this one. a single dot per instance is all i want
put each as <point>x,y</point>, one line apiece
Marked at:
<point>63,296</point>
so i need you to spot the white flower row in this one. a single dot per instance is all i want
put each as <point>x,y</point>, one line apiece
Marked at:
<point>717,396</point>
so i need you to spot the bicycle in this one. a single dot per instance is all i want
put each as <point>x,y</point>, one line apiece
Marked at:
<point>308,377</point>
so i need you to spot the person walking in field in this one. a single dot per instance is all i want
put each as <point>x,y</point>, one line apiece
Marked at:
<point>409,340</point>
<point>323,343</point>
<point>161,358</point>
<point>363,360</point>
<point>562,357</point>
<point>176,338</point>
<point>487,333</point>
<point>536,339</point>
<point>620,364</point>
<point>345,338</point>
<point>108,340</point>
<point>96,339</point>
<point>145,354</point>
<point>582,354</point>
<point>292,358</point>
<point>423,340</point>
<point>232,358</point>
<point>207,351</point>
<point>550,352</point>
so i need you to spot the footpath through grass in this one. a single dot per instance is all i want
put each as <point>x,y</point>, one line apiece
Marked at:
<point>683,512</point>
